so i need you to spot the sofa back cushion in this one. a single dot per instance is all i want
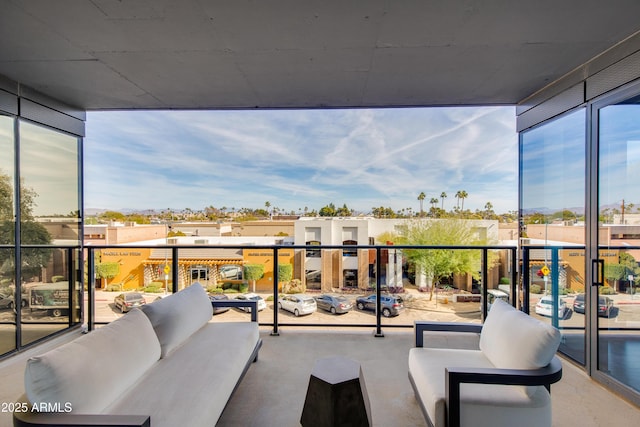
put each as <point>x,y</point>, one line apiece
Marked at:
<point>511,339</point>
<point>176,317</point>
<point>93,370</point>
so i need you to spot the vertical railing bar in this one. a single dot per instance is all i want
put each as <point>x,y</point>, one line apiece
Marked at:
<point>174,269</point>
<point>514,277</point>
<point>70,288</point>
<point>555,272</point>
<point>378,333</point>
<point>525,279</point>
<point>485,283</point>
<point>275,332</point>
<point>91,287</point>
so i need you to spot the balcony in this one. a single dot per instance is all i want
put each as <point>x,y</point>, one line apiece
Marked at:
<point>380,344</point>
<point>273,391</point>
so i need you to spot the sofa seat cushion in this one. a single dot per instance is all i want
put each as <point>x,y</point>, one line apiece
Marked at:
<point>480,404</point>
<point>95,369</point>
<point>195,382</point>
<point>178,316</point>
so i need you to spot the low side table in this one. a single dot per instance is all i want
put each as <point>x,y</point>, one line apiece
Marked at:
<point>336,395</point>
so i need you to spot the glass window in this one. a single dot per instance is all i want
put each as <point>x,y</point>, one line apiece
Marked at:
<point>552,209</point>
<point>7,236</point>
<point>50,193</point>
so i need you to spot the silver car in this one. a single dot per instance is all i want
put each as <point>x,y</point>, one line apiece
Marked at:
<point>297,304</point>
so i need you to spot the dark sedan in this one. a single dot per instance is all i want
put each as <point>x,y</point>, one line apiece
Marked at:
<point>126,302</point>
<point>333,304</point>
<point>605,305</point>
<point>391,305</point>
<point>219,297</point>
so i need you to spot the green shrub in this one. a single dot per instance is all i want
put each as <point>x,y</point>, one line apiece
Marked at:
<point>113,287</point>
<point>152,289</point>
<point>505,281</point>
<point>214,289</point>
<point>535,289</point>
<point>227,285</point>
<point>294,286</point>
<point>55,279</point>
<point>230,291</point>
<point>244,287</point>
<point>269,298</point>
<point>156,284</point>
<point>606,290</point>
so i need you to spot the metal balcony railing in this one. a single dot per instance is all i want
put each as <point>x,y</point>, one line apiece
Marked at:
<point>379,287</point>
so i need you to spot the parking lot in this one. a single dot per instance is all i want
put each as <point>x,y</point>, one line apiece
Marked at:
<point>417,306</point>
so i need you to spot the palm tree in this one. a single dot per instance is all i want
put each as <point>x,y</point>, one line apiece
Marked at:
<point>421,197</point>
<point>458,197</point>
<point>443,196</point>
<point>434,202</point>
<point>463,195</point>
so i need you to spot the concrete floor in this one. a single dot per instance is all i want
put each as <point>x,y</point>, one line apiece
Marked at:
<point>273,391</point>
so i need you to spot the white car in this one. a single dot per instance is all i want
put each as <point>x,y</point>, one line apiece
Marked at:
<point>544,307</point>
<point>253,297</point>
<point>297,304</point>
<point>231,272</point>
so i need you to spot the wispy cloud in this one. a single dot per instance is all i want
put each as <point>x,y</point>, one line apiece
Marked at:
<point>299,158</point>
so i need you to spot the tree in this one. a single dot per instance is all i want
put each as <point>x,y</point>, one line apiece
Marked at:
<point>461,195</point>
<point>329,210</point>
<point>285,272</point>
<point>107,270</point>
<point>488,211</point>
<point>433,202</point>
<point>421,198</point>
<point>443,196</point>
<point>31,232</point>
<point>437,264</point>
<point>33,259</point>
<point>253,272</point>
<point>343,211</point>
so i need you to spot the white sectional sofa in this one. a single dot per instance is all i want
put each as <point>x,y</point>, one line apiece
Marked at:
<point>504,382</point>
<point>166,364</point>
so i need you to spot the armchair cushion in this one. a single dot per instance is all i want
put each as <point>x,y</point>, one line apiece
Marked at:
<point>512,339</point>
<point>175,319</point>
<point>487,405</point>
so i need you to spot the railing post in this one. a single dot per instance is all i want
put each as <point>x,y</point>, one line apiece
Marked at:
<point>525,279</point>
<point>174,269</point>
<point>485,283</point>
<point>91,288</point>
<point>555,293</point>
<point>378,333</point>
<point>275,332</point>
<point>514,276</point>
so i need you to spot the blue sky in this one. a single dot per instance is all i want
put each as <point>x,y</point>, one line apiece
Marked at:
<point>301,158</point>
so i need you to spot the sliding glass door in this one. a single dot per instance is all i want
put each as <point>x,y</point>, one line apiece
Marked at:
<point>613,301</point>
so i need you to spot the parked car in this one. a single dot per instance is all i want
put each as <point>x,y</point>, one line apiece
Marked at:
<point>129,300</point>
<point>7,301</point>
<point>544,307</point>
<point>219,297</point>
<point>333,303</point>
<point>254,297</point>
<point>231,272</point>
<point>297,304</point>
<point>605,305</point>
<point>494,294</point>
<point>391,305</point>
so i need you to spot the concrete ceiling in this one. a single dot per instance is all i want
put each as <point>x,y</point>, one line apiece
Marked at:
<point>133,54</point>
